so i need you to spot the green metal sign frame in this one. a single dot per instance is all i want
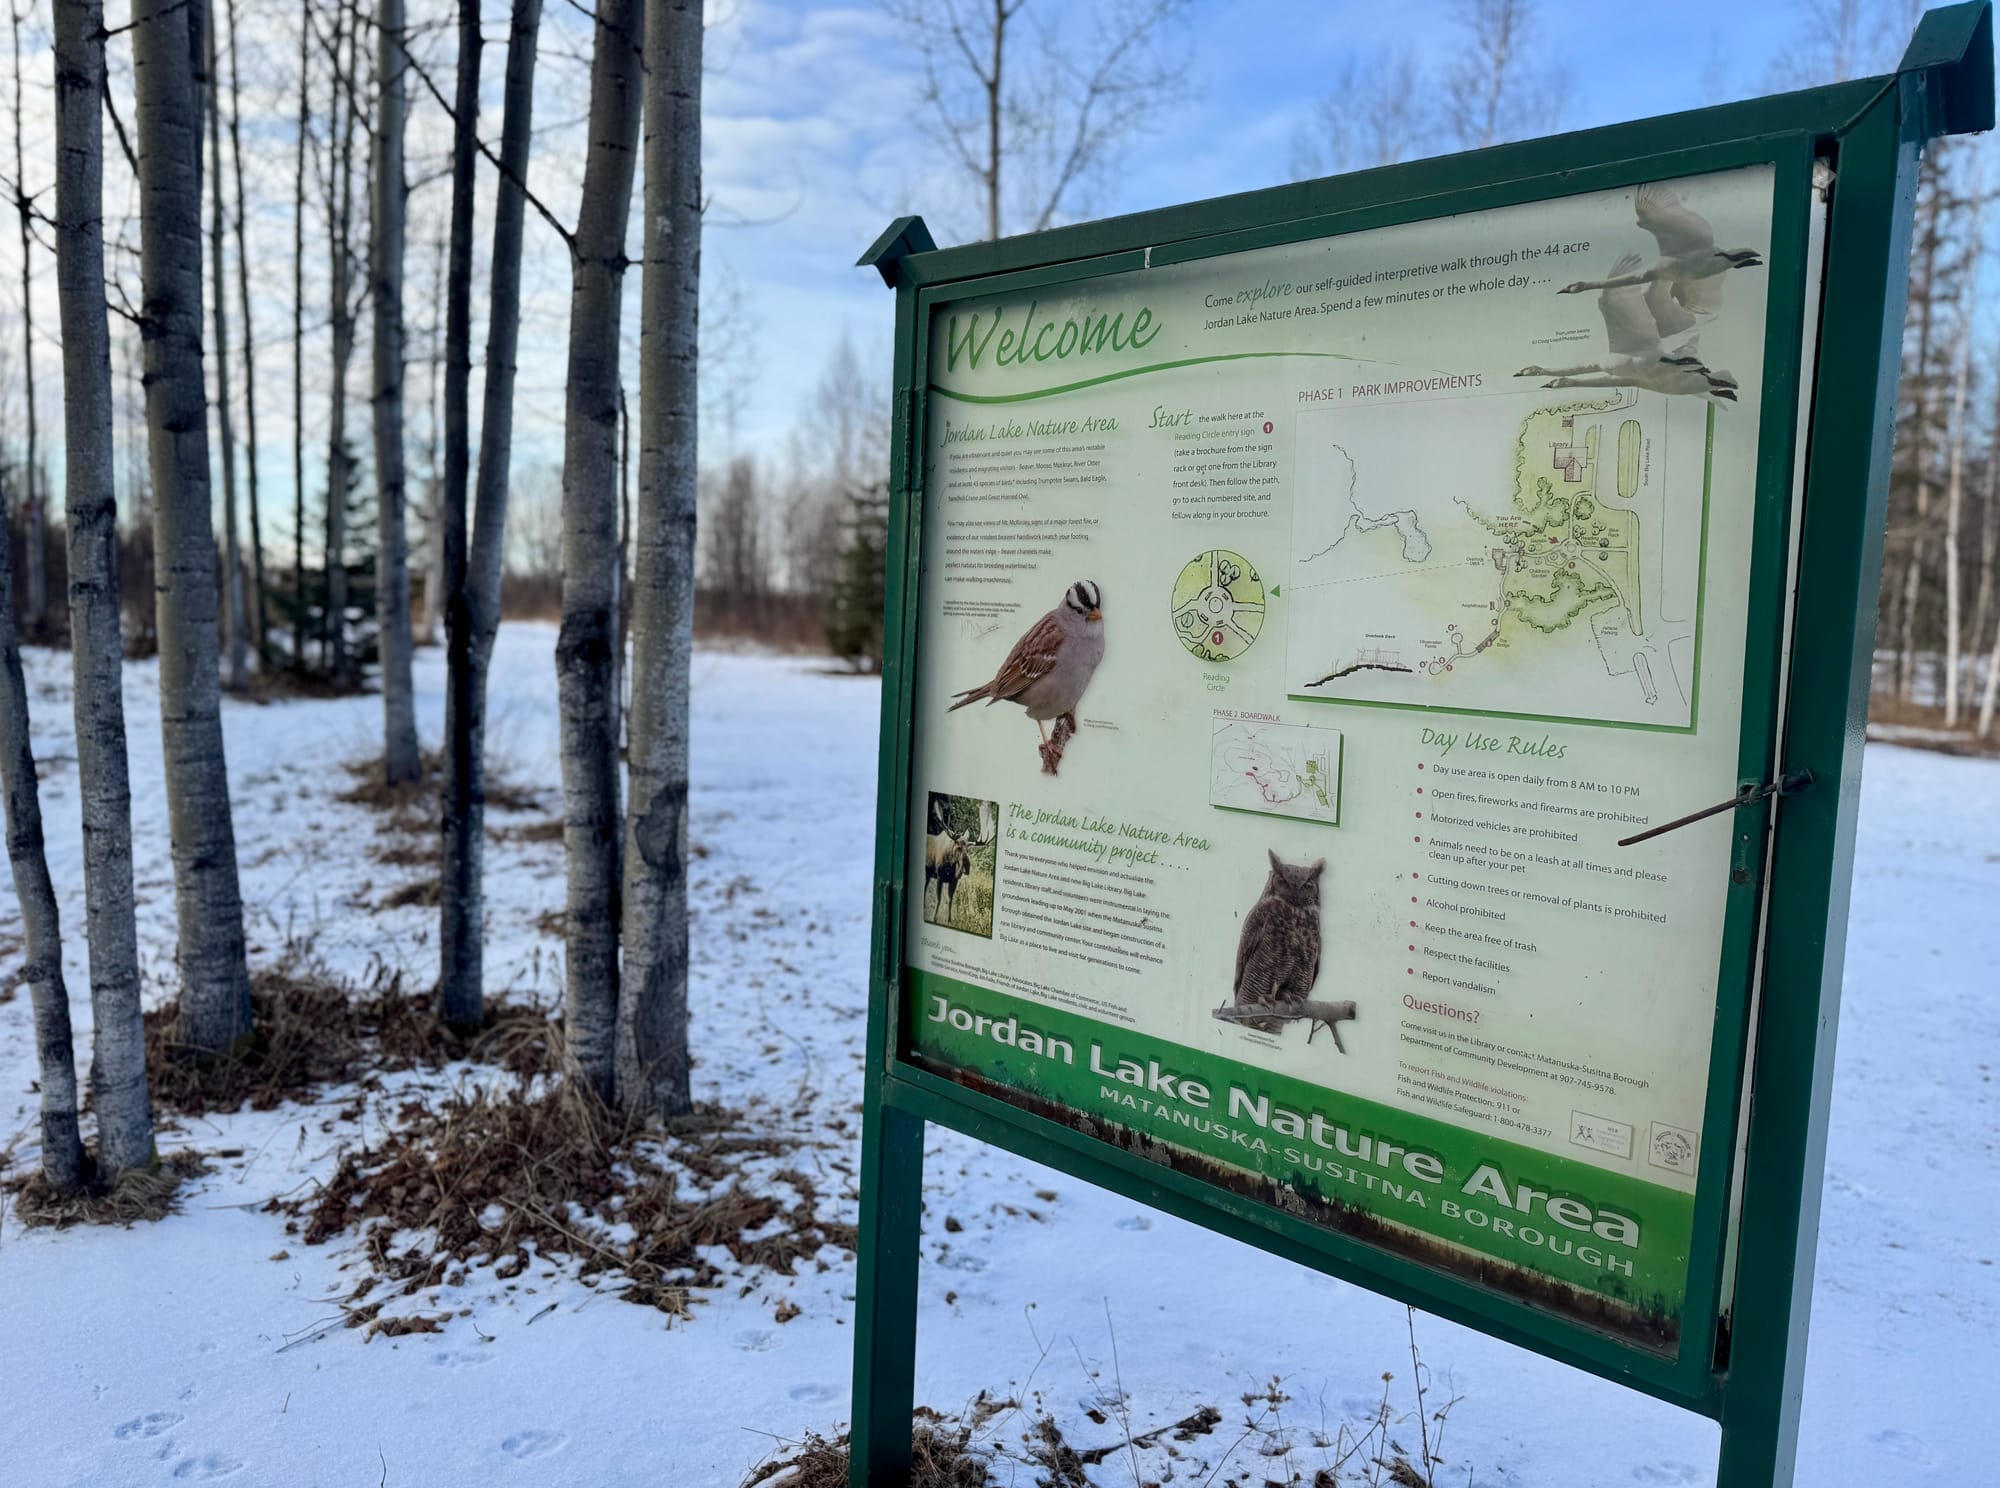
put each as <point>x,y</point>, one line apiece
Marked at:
<point>1741,1354</point>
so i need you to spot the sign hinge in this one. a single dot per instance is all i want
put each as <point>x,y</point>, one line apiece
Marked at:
<point>892,931</point>
<point>909,413</point>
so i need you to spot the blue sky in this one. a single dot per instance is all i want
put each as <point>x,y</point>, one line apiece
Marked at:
<point>809,111</point>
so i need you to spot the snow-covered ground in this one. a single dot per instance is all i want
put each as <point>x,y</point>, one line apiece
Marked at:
<point>186,1350</point>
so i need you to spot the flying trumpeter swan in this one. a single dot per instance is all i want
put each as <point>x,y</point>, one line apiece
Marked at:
<point>1639,354</point>
<point>1689,272</point>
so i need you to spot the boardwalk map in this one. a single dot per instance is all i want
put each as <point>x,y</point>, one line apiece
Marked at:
<point>1544,561</point>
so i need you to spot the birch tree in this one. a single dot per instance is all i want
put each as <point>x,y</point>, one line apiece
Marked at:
<point>400,762</point>
<point>473,618</point>
<point>31,506</point>
<point>652,1049</point>
<point>1954,501</point>
<point>457,786</point>
<point>586,667</point>
<point>41,926</point>
<point>118,1053</point>
<point>341,311</point>
<point>299,341</point>
<point>257,612</point>
<point>235,624</point>
<point>1029,107</point>
<point>215,983</point>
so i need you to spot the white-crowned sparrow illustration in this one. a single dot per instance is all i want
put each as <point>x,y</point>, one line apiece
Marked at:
<point>1050,666</point>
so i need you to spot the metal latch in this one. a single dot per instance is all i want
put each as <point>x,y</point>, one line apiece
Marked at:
<point>1785,785</point>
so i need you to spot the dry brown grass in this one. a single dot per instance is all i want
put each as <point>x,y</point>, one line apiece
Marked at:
<point>280,683</point>
<point>136,1197</point>
<point>547,830</point>
<point>415,805</point>
<point>422,894</point>
<point>313,1031</point>
<point>395,854</point>
<point>942,1455</point>
<point>1889,716</point>
<point>494,1177</point>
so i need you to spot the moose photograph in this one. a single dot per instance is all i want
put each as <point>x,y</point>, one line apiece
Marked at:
<point>961,852</point>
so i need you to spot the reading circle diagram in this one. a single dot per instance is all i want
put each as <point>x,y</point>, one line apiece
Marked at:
<point>1218,605</point>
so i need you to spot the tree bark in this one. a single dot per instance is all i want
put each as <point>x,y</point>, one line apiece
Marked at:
<point>258,617</point>
<point>1954,502</point>
<point>235,625</point>
<point>32,510</point>
<point>586,669</point>
<point>401,763</point>
<point>118,1056</point>
<point>41,926</point>
<point>473,617</point>
<point>215,983</point>
<point>299,343</point>
<point>340,221</point>
<point>434,483</point>
<point>652,1008</point>
<point>1989,547</point>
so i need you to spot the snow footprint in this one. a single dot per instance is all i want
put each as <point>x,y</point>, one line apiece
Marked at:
<point>1667,1472</point>
<point>814,1394</point>
<point>206,1468</point>
<point>533,1443</point>
<point>1135,1222</point>
<point>1903,1445</point>
<point>150,1424</point>
<point>757,1341</point>
<point>460,1358</point>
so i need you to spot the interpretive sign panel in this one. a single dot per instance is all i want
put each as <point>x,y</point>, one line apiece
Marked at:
<point>1373,673</point>
<point>1429,550</point>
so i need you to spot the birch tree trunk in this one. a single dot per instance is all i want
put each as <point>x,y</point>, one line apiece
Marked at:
<point>433,504</point>
<point>474,615</point>
<point>215,983</point>
<point>1954,502</point>
<point>257,612</point>
<point>32,510</point>
<point>586,669</point>
<point>452,523</point>
<point>1989,547</point>
<point>652,1007</point>
<point>299,343</point>
<point>118,1054</point>
<point>340,222</point>
<point>235,624</point>
<point>41,926</point>
<point>1992,688</point>
<point>400,761</point>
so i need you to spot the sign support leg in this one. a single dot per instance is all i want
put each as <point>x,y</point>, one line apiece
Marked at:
<point>1846,494</point>
<point>885,1297</point>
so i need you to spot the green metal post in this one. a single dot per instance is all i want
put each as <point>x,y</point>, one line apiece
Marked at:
<point>892,1140</point>
<point>885,1297</point>
<point>1840,560</point>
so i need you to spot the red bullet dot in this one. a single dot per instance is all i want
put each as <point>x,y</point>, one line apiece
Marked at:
<point>1413,948</point>
<point>1420,816</point>
<point>1411,970</point>
<point>1420,767</point>
<point>1420,790</point>
<point>1413,923</point>
<point>1416,839</point>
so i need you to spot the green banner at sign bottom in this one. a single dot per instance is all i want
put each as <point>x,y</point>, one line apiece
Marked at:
<point>1606,1247</point>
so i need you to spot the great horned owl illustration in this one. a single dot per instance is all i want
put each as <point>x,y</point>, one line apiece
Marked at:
<point>1277,957</point>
